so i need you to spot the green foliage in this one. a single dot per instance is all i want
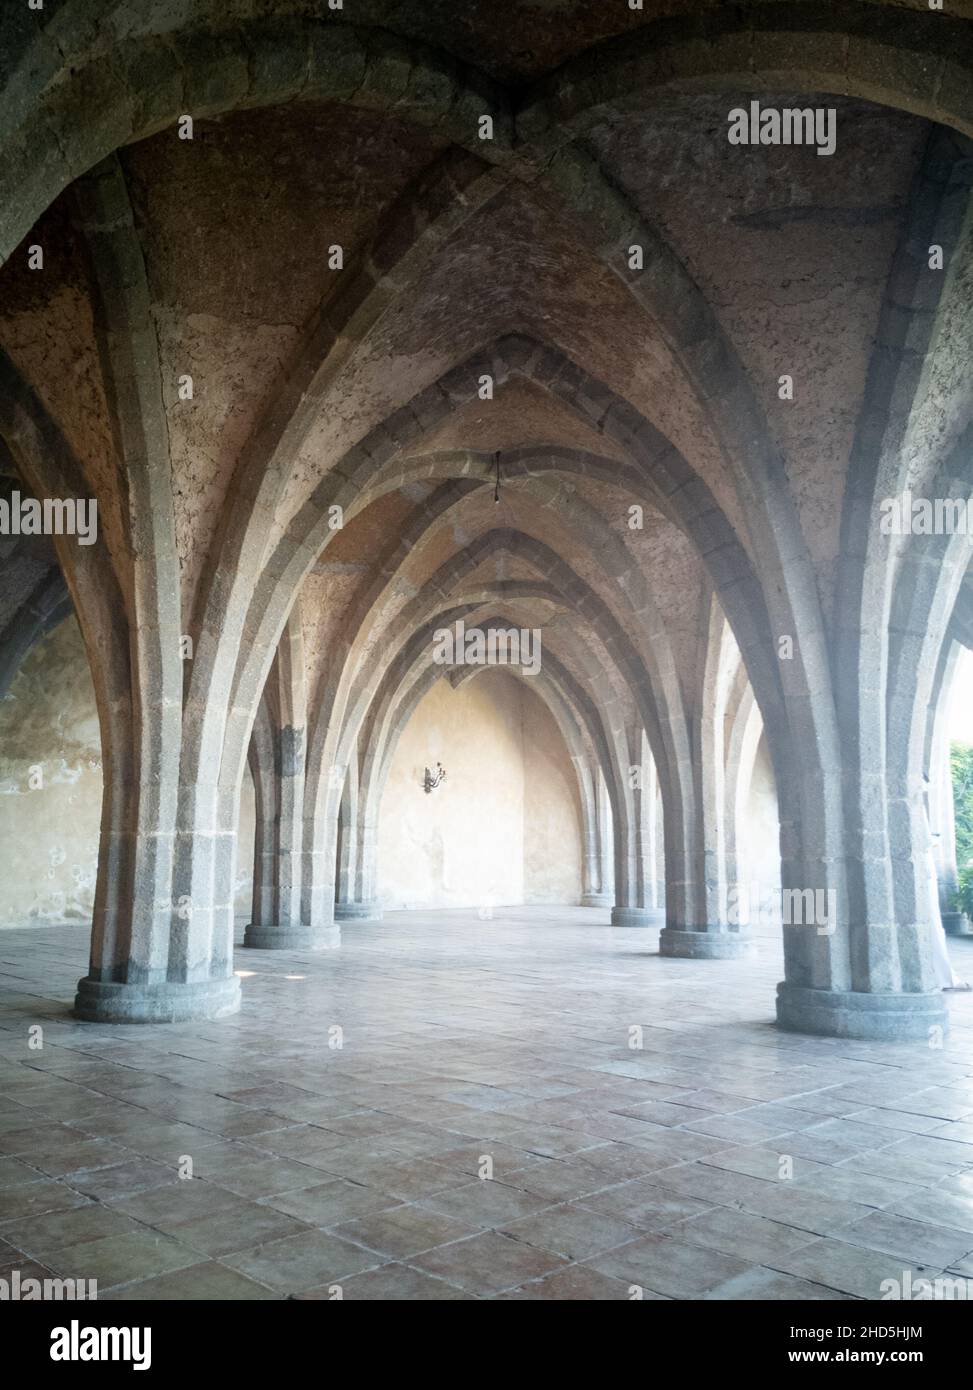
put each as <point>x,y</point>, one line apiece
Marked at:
<point>961,764</point>
<point>964,893</point>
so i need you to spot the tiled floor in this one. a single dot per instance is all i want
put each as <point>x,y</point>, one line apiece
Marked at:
<point>535,1106</point>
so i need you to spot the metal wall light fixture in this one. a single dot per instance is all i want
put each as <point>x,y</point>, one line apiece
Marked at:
<point>432,779</point>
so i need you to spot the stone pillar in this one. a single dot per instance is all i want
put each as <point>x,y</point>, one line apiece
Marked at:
<point>286,931</point>
<point>646,911</point>
<point>285,700</point>
<point>161,967</point>
<point>264,772</point>
<point>320,838</point>
<point>653,885</point>
<point>152,957</point>
<point>598,885</point>
<point>355,896</point>
<point>870,971</point>
<point>347,859</point>
<point>709,932</point>
<point>942,816</point>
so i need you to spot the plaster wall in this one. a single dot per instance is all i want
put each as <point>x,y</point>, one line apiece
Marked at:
<point>50,786</point>
<point>504,828</point>
<point>49,737</point>
<point>760,837</point>
<point>552,810</point>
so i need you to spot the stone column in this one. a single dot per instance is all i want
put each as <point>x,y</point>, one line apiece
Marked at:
<point>355,896</point>
<point>709,931</point>
<point>152,956</point>
<point>942,815</point>
<point>646,911</point>
<point>263,769</point>
<point>598,886</point>
<point>320,838</point>
<point>285,699</point>
<point>286,931</point>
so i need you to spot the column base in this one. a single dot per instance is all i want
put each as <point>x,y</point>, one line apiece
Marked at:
<point>275,938</point>
<point>852,1014</point>
<point>100,1001</point>
<point>638,917</point>
<point>358,912</point>
<point>705,945</point>
<point>957,924</point>
<point>596,900</point>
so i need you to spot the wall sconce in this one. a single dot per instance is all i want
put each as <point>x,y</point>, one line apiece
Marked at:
<point>433,779</point>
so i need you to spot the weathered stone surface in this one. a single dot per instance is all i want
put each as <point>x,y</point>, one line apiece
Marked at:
<point>429,384</point>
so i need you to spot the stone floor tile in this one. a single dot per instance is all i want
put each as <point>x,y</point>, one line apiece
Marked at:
<point>416,1178</point>
<point>121,1179</point>
<point>648,1207</point>
<point>302,1261</point>
<point>808,1211</point>
<point>207,1282</point>
<point>848,1186</point>
<point>552,1141</point>
<point>332,1202</point>
<point>187,1200</point>
<point>488,1263</point>
<point>768,1161</point>
<point>401,1232</point>
<point>668,1266</point>
<point>577,1282</point>
<point>921,1172</point>
<point>235,1228</point>
<point>739,1233</point>
<point>910,1240</point>
<point>40,1235</point>
<point>487,1204</point>
<point>269,1177</point>
<point>939,1208</point>
<point>34,1199</point>
<point>849,1268</point>
<point>667,1112</point>
<point>121,1258</point>
<point>467,1159</point>
<point>14,1173</point>
<point>739,1127</point>
<point>902,1120</point>
<point>770,1285</point>
<point>392,1283</point>
<point>926,1146</point>
<point>939,1102</point>
<point>575,1231</point>
<point>558,1180</point>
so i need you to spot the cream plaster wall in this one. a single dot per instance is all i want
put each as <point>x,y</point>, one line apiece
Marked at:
<point>504,828</point>
<point>552,809</point>
<point>760,840</point>
<point>49,831</point>
<point>49,834</point>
